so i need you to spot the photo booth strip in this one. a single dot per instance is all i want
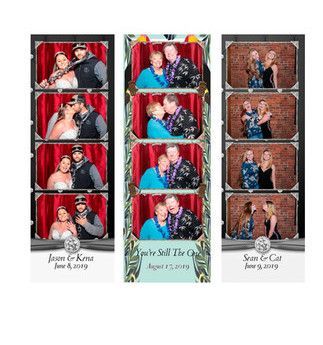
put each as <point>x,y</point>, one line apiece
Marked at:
<point>46,153</point>
<point>287,144</point>
<point>137,49</point>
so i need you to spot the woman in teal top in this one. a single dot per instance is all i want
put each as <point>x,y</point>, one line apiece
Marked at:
<point>153,77</point>
<point>156,127</point>
<point>156,228</point>
<point>155,177</point>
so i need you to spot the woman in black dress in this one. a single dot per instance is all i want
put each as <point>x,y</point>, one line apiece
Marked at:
<point>270,73</point>
<point>264,116</point>
<point>266,172</point>
<point>271,221</point>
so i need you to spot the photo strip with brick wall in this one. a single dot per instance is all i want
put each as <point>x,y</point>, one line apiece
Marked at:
<point>167,147</point>
<point>263,157</point>
<point>72,160</point>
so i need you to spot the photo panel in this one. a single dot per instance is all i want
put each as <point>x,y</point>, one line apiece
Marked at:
<point>261,116</point>
<point>262,166</point>
<point>167,115</point>
<point>72,65</point>
<point>263,207</point>
<point>167,166</point>
<point>71,167</point>
<point>77,116</point>
<point>261,65</point>
<point>48,216</point>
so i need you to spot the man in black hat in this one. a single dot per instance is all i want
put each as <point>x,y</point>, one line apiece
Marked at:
<point>85,174</point>
<point>88,224</point>
<point>91,124</point>
<point>90,72</point>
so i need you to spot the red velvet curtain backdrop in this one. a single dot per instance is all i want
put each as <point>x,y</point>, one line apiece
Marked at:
<point>141,52</point>
<point>46,52</point>
<point>48,104</point>
<point>146,156</point>
<point>143,208</point>
<point>48,156</point>
<point>192,102</point>
<point>47,205</point>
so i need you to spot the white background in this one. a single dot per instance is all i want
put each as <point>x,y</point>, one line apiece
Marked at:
<point>65,313</point>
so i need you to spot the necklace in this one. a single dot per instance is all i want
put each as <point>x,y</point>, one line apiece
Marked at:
<point>165,184</point>
<point>171,179</point>
<point>159,121</point>
<point>172,118</point>
<point>171,69</point>
<point>159,228</point>
<point>160,81</point>
<point>173,227</point>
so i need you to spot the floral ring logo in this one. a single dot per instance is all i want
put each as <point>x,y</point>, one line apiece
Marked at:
<point>262,245</point>
<point>72,244</point>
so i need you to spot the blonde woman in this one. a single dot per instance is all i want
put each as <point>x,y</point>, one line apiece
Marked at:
<point>264,117</point>
<point>249,171</point>
<point>154,76</point>
<point>66,80</point>
<point>254,70</point>
<point>244,227</point>
<point>267,171</point>
<point>271,71</point>
<point>271,221</point>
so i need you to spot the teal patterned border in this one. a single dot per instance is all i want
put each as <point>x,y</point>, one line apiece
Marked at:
<point>201,262</point>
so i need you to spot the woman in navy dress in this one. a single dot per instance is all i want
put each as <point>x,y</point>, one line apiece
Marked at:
<point>271,221</point>
<point>255,70</point>
<point>156,228</point>
<point>244,227</point>
<point>249,171</point>
<point>271,71</point>
<point>264,117</point>
<point>153,77</point>
<point>267,171</point>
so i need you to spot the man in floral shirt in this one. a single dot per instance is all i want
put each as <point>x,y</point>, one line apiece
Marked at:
<point>181,172</point>
<point>182,223</point>
<point>180,121</point>
<point>180,72</point>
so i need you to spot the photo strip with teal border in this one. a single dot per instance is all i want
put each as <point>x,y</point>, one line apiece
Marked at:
<point>167,158</point>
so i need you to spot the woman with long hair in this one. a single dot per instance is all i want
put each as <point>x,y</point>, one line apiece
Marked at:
<point>65,80</point>
<point>271,221</point>
<point>270,73</point>
<point>244,227</point>
<point>249,171</point>
<point>254,70</point>
<point>249,118</point>
<point>155,75</point>
<point>61,178</point>
<point>264,117</point>
<point>267,171</point>
<point>63,227</point>
<point>65,126</point>
<point>156,228</point>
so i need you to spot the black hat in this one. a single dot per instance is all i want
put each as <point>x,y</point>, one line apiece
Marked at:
<point>80,199</point>
<point>76,99</point>
<point>77,148</point>
<point>79,45</point>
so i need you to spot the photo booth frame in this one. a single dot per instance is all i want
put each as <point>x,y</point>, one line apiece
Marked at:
<point>298,141</point>
<point>132,263</point>
<point>107,90</point>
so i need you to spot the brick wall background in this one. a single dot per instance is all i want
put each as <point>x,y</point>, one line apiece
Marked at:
<point>237,58</point>
<point>284,159</point>
<point>285,207</point>
<point>282,107</point>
